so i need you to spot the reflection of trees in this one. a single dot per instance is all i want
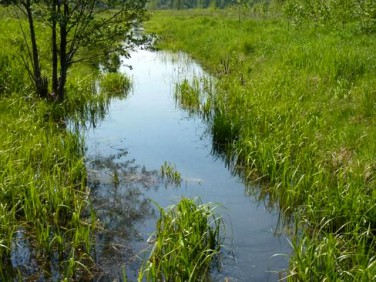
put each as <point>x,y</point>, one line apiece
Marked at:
<point>118,199</point>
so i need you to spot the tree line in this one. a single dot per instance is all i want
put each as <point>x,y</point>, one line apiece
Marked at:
<point>296,11</point>
<point>332,12</point>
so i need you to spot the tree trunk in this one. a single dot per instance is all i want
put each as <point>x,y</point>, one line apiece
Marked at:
<point>54,49</point>
<point>41,83</point>
<point>63,52</point>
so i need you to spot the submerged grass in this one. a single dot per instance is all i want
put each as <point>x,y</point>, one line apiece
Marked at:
<point>187,243</point>
<point>170,174</point>
<point>294,109</point>
<point>114,84</point>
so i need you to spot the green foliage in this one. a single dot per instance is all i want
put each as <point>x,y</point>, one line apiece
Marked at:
<point>187,243</point>
<point>336,13</point>
<point>296,110</point>
<point>77,31</point>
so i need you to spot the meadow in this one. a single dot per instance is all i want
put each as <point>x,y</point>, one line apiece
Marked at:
<point>292,113</point>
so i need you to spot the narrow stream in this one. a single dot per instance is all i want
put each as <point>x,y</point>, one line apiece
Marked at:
<point>125,152</point>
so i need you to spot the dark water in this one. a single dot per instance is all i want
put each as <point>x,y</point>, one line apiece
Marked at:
<point>127,149</point>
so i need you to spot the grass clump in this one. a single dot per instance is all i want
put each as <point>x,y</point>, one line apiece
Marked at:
<point>114,84</point>
<point>187,96</point>
<point>187,243</point>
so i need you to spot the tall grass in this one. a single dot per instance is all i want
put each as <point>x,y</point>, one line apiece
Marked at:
<point>44,201</point>
<point>42,189</point>
<point>45,206</point>
<point>295,111</point>
<point>187,243</point>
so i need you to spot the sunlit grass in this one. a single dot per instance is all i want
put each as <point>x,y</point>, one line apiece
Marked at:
<point>44,201</point>
<point>187,243</point>
<point>294,110</point>
<point>114,84</point>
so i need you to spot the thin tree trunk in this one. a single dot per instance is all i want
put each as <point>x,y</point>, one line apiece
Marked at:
<point>63,53</point>
<point>41,83</point>
<point>54,49</point>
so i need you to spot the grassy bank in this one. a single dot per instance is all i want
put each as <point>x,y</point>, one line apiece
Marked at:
<point>46,223</point>
<point>47,219</point>
<point>294,110</point>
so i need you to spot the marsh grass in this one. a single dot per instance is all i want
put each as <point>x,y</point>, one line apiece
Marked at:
<point>195,95</point>
<point>45,207</point>
<point>187,95</point>
<point>295,109</point>
<point>114,84</point>
<point>187,243</point>
<point>170,174</point>
<point>43,188</point>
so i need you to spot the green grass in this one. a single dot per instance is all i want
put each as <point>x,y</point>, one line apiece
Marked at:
<point>170,174</point>
<point>45,205</point>
<point>114,84</point>
<point>294,109</point>
<point>44,201</point>
<point>187,243</point>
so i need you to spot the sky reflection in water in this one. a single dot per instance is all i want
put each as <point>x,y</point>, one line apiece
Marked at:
<point>138,135</point>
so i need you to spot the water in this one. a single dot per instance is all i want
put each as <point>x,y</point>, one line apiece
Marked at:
<point>138,135</point>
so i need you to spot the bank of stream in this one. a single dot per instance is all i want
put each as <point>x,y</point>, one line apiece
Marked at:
<point>124,154</point>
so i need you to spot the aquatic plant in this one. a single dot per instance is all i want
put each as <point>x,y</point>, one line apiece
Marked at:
<point>170,174</point>
<point>187,95</point>
<point>187,243</point>
<point>114,84</point>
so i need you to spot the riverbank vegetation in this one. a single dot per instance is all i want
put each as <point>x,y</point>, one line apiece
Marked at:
<point>187,243</point>
<point>48,225</point>
<point>46,222</point>
<point>294,112</point>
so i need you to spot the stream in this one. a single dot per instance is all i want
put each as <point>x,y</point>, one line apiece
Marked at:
<point>125,152</point>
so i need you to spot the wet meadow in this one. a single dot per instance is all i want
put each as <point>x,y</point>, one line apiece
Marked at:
<point>46,220</point>
<point>291,111</point>
<point>293,114</point>
<point>49,228</point>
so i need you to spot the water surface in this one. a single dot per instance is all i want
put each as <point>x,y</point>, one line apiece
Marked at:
<point>138,135</point>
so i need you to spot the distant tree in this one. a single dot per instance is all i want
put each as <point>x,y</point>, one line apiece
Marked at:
<point>333,12</point>
<point>243,5</point>
<point>76,27</point>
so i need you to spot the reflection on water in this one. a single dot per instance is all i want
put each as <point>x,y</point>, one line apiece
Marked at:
<point>118,189</point>
<point>125,152</point>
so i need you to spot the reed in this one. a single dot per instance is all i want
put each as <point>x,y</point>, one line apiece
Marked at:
<point>114,84</point>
